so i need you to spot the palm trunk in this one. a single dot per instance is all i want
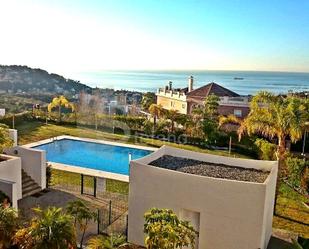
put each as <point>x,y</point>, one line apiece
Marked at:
<point>281,163</point>
<point>154,123</point>
<point>59,110</point>
<point>83,235</point>
<point>281,155</point>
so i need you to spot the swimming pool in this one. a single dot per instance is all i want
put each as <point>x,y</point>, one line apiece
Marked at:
<point>98,156</point>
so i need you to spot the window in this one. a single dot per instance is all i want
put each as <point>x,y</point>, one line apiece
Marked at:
<point>237,112</point>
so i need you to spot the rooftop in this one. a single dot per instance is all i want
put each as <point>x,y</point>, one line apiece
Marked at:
<point>196,167</point>
<point>211,88</point>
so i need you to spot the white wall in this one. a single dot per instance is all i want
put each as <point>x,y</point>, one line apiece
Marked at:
<point>33,163</point>
<point>13,135</point>
<point>233,214</point>
<point>10,171</point>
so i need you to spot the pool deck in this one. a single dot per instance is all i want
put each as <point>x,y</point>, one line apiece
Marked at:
<point>83,170</point>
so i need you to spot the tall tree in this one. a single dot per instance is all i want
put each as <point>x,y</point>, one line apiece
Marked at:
<point>49,229</point>
<point>173,116</point>
<point>82,215</point>
<point>148,99</point>
<point>156,111</point>
<point>59,102</point>
<point>5,140</point>
<point>8,226</point>
<point>209,117</point>
<point>164,230</point>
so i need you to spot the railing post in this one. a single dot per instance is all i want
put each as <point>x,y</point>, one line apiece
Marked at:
<point>94,186</point>
<point>127,225</point>
<point>81,184</point>
<point>110,213</point>
<point>98,221</point>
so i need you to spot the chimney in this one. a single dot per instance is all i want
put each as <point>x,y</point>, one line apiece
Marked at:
<point>170,84</point>
<point>190,85</point>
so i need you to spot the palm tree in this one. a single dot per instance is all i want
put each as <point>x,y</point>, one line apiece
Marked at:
<point>232,123</point>
<point>276,117</point>
<point>8,226</point>
<point>50,229</point>
<point>115,241</point>
<point>59,102</point>
<point>156,111</point>
<point>82,216</point>
<point>173,116</point>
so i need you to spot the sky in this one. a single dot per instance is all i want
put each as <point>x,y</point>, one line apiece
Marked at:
<point>66,36</point>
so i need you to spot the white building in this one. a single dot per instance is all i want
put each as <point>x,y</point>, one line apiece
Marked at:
<point>227,213</point>
<point>2,112</point>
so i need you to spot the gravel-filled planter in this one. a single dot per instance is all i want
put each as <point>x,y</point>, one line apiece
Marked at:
<point>210,169</point>
<point>229,201</point>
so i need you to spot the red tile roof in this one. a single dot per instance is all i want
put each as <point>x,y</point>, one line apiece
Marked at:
<point>211,88</point>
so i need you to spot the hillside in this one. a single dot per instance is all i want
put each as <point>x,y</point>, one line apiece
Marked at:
<point>22,79</point>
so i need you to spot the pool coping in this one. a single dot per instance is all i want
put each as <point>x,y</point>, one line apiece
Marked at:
<point>91,140</point>
<point>84,170</point>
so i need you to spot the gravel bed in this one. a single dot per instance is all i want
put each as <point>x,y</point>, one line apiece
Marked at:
<point>210,169</point>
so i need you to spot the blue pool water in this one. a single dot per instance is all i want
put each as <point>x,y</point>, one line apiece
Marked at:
<point>97,156</point>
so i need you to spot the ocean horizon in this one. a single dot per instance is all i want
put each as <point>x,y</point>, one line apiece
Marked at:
<point>250,83</point>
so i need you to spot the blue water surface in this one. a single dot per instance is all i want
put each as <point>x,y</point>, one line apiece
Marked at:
<point>97,156</point>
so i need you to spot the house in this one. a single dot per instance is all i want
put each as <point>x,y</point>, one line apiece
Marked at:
<point>186,99</point>
<point>229,201</point>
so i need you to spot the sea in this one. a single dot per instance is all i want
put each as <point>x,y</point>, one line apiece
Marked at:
<point>242,82</point>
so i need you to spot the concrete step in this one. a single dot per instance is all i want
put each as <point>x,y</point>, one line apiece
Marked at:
<point>31,192</point>
<point>29,186</point>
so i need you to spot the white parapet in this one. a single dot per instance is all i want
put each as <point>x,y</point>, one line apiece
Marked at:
<point>33,162</point>
<point>10,177</point>
<point>227,213</point>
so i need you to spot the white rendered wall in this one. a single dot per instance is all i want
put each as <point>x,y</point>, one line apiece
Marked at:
<point>10,171</point>
<point>233,214</point>
<point>33,163</point>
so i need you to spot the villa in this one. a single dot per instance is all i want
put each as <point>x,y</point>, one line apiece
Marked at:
<point>229,201</point>
<point>186,99</point>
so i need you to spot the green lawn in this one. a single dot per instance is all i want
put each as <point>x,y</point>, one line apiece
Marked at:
<point>290,209</point>
<point>32,131</point>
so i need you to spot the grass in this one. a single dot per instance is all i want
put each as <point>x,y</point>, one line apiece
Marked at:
<point>32,131</point>
<point>60,177</point>
<point>292,215</point>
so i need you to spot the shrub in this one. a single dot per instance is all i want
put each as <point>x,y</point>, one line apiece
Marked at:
<point>296,171</point>
<point>266,150</point>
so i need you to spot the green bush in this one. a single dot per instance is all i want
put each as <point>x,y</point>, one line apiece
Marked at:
<point>296,169</point>
<point>266,150</point>
<point>3,196</point>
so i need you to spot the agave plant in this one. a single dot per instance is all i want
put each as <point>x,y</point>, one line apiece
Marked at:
<point>49,229</point>
<point>115,241</point>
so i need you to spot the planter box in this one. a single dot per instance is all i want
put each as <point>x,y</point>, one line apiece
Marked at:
<point>227,213</point>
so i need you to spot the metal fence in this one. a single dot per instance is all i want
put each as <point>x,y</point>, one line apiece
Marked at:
<point>112,206</point>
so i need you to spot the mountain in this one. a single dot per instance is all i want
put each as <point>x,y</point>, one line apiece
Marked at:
<point>23,79</point>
